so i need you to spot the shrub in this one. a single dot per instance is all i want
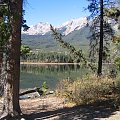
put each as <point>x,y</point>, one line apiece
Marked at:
<point>86,90</point>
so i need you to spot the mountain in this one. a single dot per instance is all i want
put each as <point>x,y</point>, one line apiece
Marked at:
<point>40,37</point>
<point>38,29</point>
<point>75,32</point>
<point>46,42</point>
<point>70,26</point>
<point>66,28</point>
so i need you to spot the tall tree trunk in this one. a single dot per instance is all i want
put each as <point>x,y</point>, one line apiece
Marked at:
<point>15,53</point>
<point>1,62</point>
<point>1,58</point>
<point>99,72</point>
<point>11,92</point>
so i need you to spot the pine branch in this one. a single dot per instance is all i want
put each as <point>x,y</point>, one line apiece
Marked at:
<point>73,51</point>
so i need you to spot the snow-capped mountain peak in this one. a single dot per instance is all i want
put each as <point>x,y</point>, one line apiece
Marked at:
<point>66,28</point>
<point>40,28</point>
<point>74,24</point>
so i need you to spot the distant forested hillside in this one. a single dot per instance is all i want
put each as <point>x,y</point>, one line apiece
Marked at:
<point>78,38</point>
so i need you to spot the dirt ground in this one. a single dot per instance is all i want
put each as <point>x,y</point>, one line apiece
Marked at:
<point>54,108</point>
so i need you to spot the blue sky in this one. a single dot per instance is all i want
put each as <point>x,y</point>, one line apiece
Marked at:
<point>54,12</point>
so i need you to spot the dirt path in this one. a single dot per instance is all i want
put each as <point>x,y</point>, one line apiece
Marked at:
<point>54,108</point>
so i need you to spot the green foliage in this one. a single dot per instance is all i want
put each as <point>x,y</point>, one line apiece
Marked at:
<point>46,43</point>
<point>116,49</point>
<point>4,11</point>
<point>77,54</point>
<point>44,88</point>
<point>94,6</point>
<point>116,38</point>
<point>101,32</point>
<point>119,26</point>
<point>117,61</point>
<point>95,39</point>
<point>113,12</point>
<point>24,25</point>
<point>47,57</point>
<point>25,50</point>
<point>5,27</point>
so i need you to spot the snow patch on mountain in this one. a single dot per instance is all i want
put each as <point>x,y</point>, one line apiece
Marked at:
<point>66,28</point>
<point>38,29</point>
<point>75,24</point>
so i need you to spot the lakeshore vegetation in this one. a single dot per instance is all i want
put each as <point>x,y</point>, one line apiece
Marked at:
<point>98,85</point>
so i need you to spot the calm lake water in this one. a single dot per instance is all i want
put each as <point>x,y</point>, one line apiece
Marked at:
<point>34,75</point>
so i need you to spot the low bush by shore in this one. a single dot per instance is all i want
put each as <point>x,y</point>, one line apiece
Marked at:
<point>89,89</point>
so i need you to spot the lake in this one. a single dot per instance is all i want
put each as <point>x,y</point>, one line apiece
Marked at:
<point>34,75</point>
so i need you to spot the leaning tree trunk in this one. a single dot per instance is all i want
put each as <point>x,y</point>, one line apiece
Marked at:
<point>11,92</point>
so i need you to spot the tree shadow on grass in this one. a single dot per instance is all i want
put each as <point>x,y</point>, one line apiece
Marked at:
<point>82,112</point>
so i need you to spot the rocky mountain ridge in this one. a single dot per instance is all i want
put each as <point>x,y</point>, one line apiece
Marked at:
<point>66,28</point>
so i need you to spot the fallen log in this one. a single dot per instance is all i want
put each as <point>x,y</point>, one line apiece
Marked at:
<point>40,92</point>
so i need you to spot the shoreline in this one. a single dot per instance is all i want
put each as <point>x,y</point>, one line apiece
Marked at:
<point>44,63</point>
<point>40,63</point>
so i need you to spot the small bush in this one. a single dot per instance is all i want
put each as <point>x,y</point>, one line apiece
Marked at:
<point>86,90</point>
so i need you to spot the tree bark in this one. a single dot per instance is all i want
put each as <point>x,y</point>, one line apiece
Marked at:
<point>1,80</point>
<point>1,57</point>
<point>11,91</point>
<point>99,72</point>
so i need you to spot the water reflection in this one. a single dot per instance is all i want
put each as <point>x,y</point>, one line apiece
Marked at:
<point>35,75</point>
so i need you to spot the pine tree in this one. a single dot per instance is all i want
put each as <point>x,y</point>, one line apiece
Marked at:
<point>102,30</point>
<point>11,105</point>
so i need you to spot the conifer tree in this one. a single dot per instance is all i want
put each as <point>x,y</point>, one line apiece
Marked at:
<point>11,105</point>
<point>102,29</point>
